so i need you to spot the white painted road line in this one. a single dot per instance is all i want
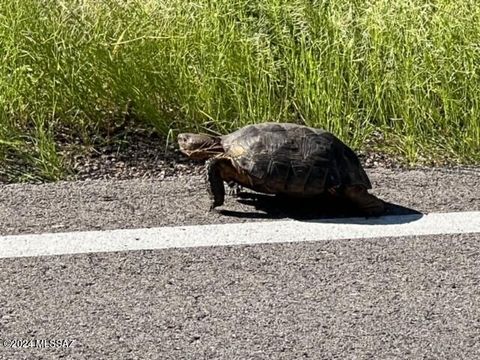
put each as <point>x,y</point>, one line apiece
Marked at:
<point>238,234</point>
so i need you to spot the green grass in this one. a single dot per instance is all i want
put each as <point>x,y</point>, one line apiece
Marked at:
<point>409,69</point>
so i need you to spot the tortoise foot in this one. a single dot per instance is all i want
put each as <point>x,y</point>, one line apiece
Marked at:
<point>367,203</point>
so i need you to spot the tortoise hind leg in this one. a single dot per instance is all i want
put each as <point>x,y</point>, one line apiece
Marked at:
<point>369,204</point>
<point>218,171</point>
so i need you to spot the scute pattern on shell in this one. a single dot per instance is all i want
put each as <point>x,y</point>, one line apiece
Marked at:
<point>294,159</point>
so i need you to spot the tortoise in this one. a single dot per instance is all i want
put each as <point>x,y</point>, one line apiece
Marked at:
<point>285,159</point>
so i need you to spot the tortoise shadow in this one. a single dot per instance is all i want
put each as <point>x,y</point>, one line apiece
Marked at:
<point>320,209</point>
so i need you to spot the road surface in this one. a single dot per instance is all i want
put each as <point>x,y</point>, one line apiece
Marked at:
<point>376,298</point>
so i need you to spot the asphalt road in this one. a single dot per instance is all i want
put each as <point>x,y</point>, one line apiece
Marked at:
<point>390,298</point>
<point>71,206</point>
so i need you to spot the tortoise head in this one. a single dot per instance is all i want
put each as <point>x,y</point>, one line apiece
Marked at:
<point>199,146</point>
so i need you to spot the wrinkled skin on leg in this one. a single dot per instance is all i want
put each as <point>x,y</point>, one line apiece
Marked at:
<point>218,171</point>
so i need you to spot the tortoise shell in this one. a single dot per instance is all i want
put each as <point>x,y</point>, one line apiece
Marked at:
<point>291,159</point>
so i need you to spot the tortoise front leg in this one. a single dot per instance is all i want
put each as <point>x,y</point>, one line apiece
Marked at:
<point>218,171</point>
